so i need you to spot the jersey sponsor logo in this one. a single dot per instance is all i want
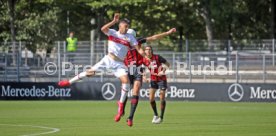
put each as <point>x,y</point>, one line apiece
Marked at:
<point>126,38</point>
<point>108,91</point>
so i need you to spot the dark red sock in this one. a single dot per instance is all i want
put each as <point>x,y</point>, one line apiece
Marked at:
<point>134,103</point>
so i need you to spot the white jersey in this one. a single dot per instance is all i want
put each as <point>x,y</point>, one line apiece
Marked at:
<point>119,44</point>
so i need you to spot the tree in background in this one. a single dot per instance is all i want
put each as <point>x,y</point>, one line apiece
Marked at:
<point>41,22</point>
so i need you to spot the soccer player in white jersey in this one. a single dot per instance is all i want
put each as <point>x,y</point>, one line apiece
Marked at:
<point>119,43</point>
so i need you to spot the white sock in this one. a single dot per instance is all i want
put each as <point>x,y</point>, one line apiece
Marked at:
<point>78,77</point>
<point>124,92</point>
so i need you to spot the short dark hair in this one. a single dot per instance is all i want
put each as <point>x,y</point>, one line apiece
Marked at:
<point>125,20</point>
<point>149,47</point>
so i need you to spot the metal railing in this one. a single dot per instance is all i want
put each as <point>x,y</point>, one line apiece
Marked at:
<point>242,65</point>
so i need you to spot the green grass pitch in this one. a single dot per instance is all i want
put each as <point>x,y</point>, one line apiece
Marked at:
<point>95,118</point>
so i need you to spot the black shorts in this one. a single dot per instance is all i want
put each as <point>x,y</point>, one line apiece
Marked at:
<point>159,85</point>
<point>135,75</point>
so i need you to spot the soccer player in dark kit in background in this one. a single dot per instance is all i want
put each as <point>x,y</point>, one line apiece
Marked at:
<point>158,80</point>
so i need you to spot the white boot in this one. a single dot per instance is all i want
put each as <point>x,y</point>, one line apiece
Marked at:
<point>158,121</point>
<point>154,119</point>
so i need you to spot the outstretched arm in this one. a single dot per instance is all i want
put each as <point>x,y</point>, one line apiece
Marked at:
<point>161,35</point>
<point>106,27</point>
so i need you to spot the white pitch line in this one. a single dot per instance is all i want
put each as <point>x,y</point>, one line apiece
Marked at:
<point>53,130</point>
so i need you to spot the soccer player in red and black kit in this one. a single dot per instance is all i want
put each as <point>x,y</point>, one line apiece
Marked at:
<point>135,72</point>
<point>158,80</point>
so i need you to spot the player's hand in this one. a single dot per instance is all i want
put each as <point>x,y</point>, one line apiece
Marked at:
<point>116,17</point>
<point>161,73</point>
<point>173,30</point>
<point>145,80</point>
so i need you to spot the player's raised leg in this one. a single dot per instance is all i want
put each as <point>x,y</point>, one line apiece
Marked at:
<point>124,92</point>
<point>88,73</point>
<point>65,83</point>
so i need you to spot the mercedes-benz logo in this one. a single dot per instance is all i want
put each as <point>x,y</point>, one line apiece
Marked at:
<point>235,92</point>
<point>108,91</point>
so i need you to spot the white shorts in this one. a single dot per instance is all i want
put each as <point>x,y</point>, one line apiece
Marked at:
<point>110,66</point>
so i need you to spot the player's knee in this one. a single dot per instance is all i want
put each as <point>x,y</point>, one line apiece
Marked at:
<point>90,73</point>
<point>162,94</point>
<point>136,88</point>
<point>137,83</point>
<point>135,92</point>
<point>125,87</point>
<point>151,99</point>
<point>152,102</point>
<point>124,79</point>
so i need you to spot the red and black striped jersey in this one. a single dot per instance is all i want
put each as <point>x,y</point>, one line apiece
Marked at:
<point>133,56</point>
<point>155,66</point>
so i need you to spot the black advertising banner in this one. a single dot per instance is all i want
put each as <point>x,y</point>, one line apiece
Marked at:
<point>111,91</point>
